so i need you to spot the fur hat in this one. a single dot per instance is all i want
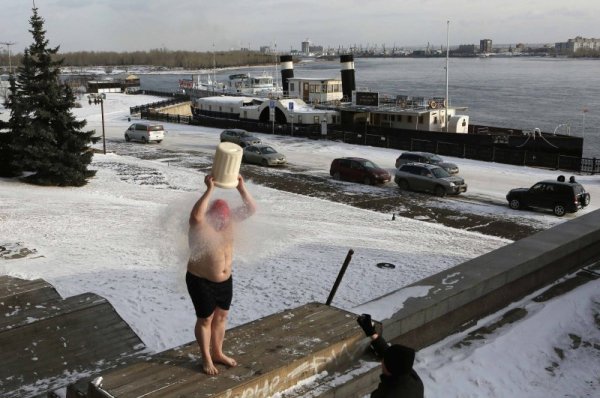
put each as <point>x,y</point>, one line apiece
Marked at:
<point>399,359</point>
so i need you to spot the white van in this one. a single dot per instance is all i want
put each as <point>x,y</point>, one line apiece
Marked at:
<point>145,132</point>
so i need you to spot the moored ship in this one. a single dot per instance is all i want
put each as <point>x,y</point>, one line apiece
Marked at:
<point>377,119</point>
<point>239,84</point>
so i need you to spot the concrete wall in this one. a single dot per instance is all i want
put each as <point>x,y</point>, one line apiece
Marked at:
<point>490,282</point>
<point>480,287</point>
<point>183,109</point>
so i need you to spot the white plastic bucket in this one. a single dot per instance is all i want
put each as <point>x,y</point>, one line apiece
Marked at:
<point>226,165</point>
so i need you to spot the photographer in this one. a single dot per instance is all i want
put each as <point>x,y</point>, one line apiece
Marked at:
<point>398,378</point>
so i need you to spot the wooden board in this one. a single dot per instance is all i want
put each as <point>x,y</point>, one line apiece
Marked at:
<point>49,344</point>
<point>273,353</point>
<point>16,292</point>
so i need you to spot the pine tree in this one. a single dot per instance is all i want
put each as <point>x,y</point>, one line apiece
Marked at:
<point>45,138</point>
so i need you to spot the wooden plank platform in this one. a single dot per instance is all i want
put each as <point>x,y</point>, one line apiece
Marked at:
<point>49,344</point>
<point>273,353</point>
<point>16,292</point>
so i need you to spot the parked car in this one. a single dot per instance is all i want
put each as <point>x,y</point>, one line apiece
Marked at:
<point>239,136</point>
<point>428,178</point>
<point>426,157</point>
<point>264,155</point>
<point>145,132</point>
<point>557,195</point>
<point>358,170</point>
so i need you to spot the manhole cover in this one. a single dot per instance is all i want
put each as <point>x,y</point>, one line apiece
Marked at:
<point>386,265</point>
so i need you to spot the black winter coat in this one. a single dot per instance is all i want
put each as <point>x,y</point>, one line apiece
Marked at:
<point>403,386</point>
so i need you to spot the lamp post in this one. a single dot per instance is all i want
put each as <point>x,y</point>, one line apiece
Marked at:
<point>583,112</point>
<point>8,44</point>
<point>103,135</point>
<point>101,101</point>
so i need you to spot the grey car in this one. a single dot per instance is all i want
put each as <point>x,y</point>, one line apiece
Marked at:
<point>429,178</point>
<point>426,157</point>
<point>239,136</point>
<point>264,155</point>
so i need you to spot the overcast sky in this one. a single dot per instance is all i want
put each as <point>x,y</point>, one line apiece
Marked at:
<point>128,25</point>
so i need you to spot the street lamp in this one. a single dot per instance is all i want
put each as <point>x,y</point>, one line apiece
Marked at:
<point>8,44</point>
<point>100,100</point>
<point>583,112</point>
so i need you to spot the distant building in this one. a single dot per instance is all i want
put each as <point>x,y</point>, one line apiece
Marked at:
<point>485,46</point>
<point>128,84</point>
<point>306,47</point>
<point>571,46</point>
<point>315,49</point>
<point>265,50</point>
<point>466,49</point>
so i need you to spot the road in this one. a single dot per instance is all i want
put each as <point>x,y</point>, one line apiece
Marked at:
<point>302,180</point>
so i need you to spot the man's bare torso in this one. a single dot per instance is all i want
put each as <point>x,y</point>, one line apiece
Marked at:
<point>211,252</point>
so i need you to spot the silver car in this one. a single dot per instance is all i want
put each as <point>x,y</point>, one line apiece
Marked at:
<point>429,178</point>
<point>426,157</point>
<point>264,155</point>
<point>239,136</point>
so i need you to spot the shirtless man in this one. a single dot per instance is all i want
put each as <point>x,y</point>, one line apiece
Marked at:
<point>208,276</point>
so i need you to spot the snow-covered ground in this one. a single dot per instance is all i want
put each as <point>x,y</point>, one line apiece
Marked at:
<point>123,236</point>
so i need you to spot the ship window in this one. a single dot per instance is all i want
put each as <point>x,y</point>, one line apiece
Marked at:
<point>421,119</point>
<point>464,123</point>
<point>220,109</point>
<point>245,114</point>
<point>316,120</point>
<point>292,87</point>
<point>300,119</point>
<point>435,121</point>
<point>210,107</point>
<point>231,110</point>
<point>399,118</point>
<point>409,119</point>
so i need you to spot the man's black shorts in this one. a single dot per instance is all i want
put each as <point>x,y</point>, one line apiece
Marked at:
<point>207,295</point>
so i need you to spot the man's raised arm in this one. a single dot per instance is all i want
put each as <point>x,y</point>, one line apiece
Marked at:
<point>199,210</point>
<point>249,207</point>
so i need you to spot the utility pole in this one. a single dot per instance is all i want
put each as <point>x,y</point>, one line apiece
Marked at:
<point>103,135</point>
<point>8,44</point>
<point>447,58</point>
<point>98,99</point>
<point>583,112</point>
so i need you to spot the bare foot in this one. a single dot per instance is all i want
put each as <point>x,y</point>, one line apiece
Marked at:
<point>210,369</point>
<point>225,360</point>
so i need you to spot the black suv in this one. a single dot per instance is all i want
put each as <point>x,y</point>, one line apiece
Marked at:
<point>559,196</point>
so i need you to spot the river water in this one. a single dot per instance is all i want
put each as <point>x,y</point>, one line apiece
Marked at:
<point>553,94</point>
